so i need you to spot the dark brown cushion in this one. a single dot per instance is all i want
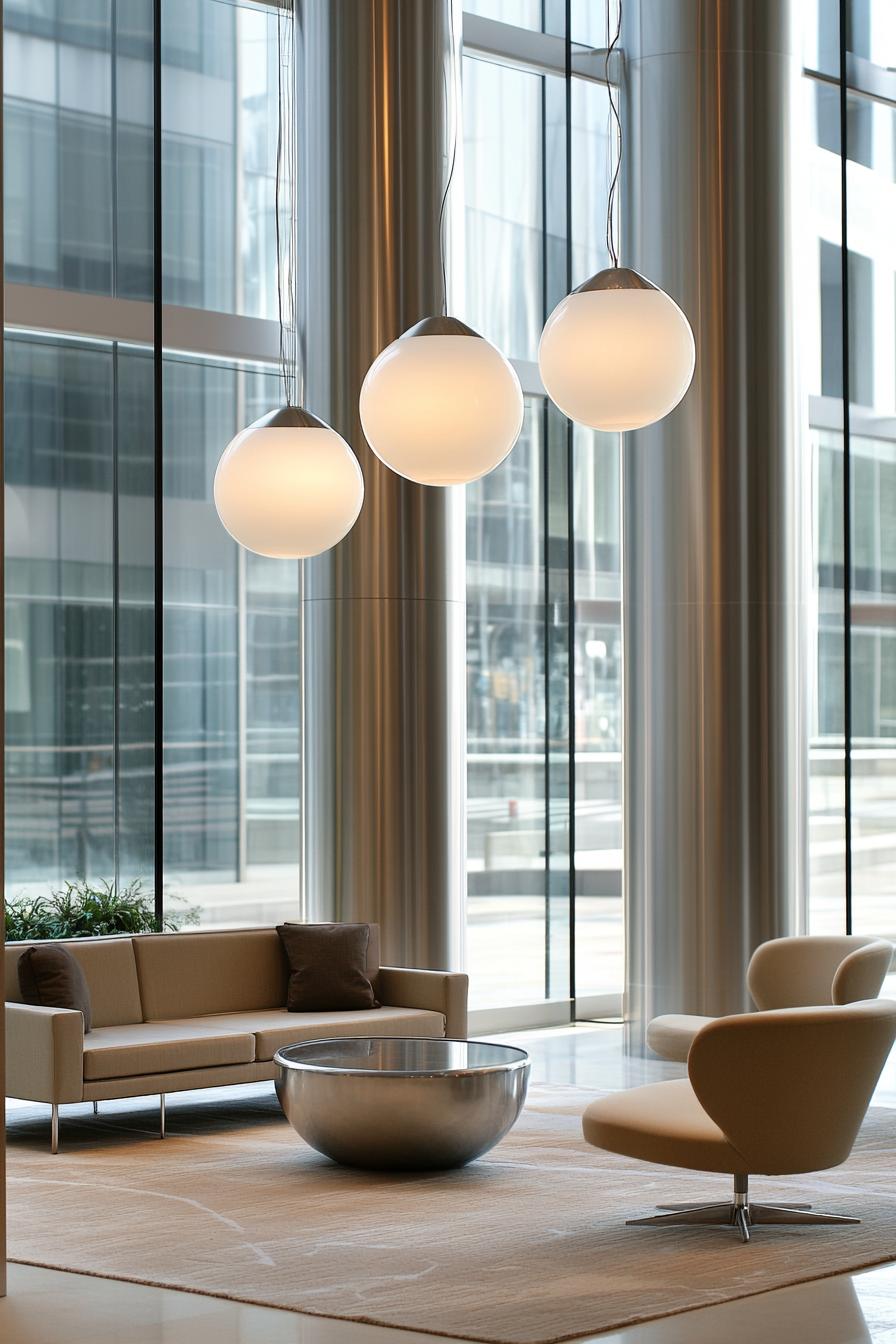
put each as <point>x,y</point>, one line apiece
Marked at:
<point>50,977</point>
<point>327,967</point>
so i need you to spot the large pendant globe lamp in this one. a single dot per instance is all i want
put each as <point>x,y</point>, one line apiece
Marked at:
<point>441,405</point>
<point>617,353</point>
<point>288,486</point>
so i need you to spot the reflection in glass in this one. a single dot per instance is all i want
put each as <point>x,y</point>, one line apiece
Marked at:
<point>506,905</point>
<point>871,202</point>
<point>520,13</point>
<point>79,670</point>
<point>231,695</point>
<point>80,709</point>
<point>598,712</point>
<point>78,150</point>
<point>504,298</point>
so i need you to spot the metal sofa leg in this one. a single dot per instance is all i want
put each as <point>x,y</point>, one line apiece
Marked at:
<point>96,1108</point>
<point>54,1128</point>
<point>161,1115</point>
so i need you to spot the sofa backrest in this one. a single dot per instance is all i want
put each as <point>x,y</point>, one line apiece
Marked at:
<point>110,971</point>
<point>232,971</point>
<point>155,976</point>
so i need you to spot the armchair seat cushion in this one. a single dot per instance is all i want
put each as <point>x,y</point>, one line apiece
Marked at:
<point>670,1035</point>
<point>163,1047</point>
<point>273,1029</point>
<point>664,1123</point>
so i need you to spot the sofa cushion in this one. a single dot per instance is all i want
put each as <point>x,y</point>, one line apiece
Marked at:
<point>159,1047</point>
<point>327,967</point>
<point>109,969</point>
<point>275,1029</point>
<point>193,974</point>
<point>50,977</point>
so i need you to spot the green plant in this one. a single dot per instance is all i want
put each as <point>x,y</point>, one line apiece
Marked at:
<point>86,910</point>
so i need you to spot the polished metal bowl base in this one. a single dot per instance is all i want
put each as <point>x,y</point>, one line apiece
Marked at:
<point>400,1104</point>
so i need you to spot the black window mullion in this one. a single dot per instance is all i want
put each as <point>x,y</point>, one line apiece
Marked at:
<point>158,477</point>
<point>847,474</point>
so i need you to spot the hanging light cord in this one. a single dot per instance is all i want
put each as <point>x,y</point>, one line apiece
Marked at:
<point>615,118</point>
<point>450,84</point>
<point>285,187</point>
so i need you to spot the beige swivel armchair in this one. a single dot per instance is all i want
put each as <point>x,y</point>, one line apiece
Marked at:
<point>791,973</point>
<point>759,1099</point>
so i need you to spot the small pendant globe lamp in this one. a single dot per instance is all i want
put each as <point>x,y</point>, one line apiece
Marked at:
<point>617,353</point>
<point>441,405</point>
<point>288,486</point>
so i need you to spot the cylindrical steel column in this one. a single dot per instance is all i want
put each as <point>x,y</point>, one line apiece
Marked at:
<point>715,745</point>
<point>384,731</point>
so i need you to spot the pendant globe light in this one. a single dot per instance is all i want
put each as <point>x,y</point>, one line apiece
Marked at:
<point>288,486</point>
<point>617,353</point>
<point>441,405</point>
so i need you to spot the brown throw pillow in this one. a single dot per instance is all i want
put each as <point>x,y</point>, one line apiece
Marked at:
<point>50,977</point>
<point>327,967</point>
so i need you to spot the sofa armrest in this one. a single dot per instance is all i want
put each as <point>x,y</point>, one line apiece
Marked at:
<point>44,1053</point>
<point>435,991</point>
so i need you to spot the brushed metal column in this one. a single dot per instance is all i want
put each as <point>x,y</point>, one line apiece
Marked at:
<point>715,743</point>
<point>384,704</point>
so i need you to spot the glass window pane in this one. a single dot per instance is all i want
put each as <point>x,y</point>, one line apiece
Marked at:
<point>598,707</point>
<point>78,150</point>
<point>219,156</point>
<point>504,240</point>
<point>592,151</point>
<point>519,13</point>
<point>873,463</point>
<point>231,671</point>
<point>60,636</point>
<point>506,841</point>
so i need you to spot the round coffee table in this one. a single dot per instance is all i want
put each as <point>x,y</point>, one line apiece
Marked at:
<point>401,1103</point>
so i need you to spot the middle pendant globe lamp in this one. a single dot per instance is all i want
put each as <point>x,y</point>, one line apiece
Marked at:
<point>441,405</point>
<point>288,486</point>
<point>617,353</point>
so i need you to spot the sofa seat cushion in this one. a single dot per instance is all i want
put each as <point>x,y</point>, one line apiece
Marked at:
<point>163,1047</point>
<point>277,1028</point>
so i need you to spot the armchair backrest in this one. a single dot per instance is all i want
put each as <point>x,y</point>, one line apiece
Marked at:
<point>789,1088</point>
<point>802,972</point>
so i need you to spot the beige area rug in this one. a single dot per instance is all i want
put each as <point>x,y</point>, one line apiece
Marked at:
<point>528,1244</point>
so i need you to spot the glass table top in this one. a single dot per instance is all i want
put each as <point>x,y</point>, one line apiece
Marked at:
<point>401,1055</point>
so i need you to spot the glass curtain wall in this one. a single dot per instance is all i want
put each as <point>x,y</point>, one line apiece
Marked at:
<point>852,886</point>
<point>80,450</point>
<point>544,833</point>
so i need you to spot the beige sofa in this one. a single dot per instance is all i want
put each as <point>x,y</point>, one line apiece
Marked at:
<point>177,1011</point>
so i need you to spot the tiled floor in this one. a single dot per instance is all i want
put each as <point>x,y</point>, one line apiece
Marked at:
<point>46,1307</point>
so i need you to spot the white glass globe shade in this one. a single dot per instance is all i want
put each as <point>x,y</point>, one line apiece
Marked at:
<point>441,406</point>
<point>288,486</point>
<point>617,356</point>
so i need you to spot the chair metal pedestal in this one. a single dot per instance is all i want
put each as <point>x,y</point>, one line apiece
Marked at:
<point>739,1213</point>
